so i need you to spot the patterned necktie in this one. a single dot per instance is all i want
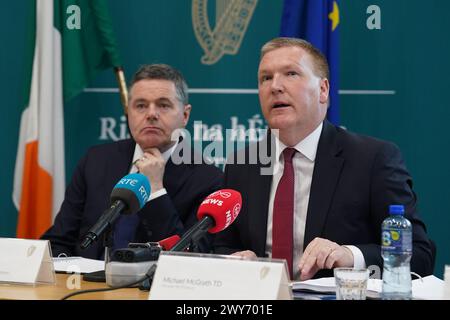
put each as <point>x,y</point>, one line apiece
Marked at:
<point>124,230</point>
<point>283,213</point>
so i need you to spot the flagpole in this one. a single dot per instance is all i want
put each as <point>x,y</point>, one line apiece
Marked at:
<point>122,87</point>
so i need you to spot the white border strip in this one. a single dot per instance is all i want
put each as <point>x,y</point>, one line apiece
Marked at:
<point>247,91</point>
<point>101,90</point>
<point>367,92</point>
<point>223,91</point>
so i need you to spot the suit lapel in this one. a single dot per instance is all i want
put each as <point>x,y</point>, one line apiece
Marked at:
<point>258,206</point>
<point>260,180</point>
<point>119,165</point>
<point>327,170</point>
<point>176,175</point>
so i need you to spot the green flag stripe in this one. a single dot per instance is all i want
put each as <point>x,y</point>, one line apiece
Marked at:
<point>104,25</point>
<point>87,50</point>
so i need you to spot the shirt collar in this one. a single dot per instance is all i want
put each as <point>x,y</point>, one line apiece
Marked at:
<point>138,153</point>
<point>307,147</point>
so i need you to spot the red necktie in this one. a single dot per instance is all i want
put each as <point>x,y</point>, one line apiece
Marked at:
<point>283,213</point>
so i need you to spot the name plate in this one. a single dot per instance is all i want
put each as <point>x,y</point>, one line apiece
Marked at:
<point>181,276</point>
<point>26,261</point>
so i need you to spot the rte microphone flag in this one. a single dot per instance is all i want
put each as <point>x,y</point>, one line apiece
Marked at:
<point>128,196</point>
<point>317,21</point>
<point>69,41</point>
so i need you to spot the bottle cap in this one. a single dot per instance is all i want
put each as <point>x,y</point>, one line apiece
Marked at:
<point>396,209</point>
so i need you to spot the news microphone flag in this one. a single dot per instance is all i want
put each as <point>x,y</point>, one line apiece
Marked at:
<point>69,41</point>
<point>214,214</point>
<point>317,21</point>
<point>223,206</point>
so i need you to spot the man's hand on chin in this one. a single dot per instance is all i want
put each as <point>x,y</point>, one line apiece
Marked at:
<point>152,165</point>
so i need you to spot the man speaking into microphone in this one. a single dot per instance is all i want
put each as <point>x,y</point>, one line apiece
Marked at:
<point>157,106</point>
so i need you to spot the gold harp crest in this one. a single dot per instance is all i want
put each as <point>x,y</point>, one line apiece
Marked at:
<point>232,20</point>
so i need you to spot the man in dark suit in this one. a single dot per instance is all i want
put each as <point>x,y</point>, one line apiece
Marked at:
<point>158,106</point>
<point>328,190</point>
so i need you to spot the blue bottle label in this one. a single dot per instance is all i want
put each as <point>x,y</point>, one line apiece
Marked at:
<point>396,241</point>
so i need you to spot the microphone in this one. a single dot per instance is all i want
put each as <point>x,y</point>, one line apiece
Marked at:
<point>215,214</point>
<point>128,196</point>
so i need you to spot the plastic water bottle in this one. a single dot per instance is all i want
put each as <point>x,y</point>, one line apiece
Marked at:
<point>396,250</point>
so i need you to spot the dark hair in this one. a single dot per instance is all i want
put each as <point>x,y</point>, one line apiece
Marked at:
<point>319,60</point>
<point>163,72</point>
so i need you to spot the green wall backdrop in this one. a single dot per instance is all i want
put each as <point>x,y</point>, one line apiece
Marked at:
<point>408,56</point>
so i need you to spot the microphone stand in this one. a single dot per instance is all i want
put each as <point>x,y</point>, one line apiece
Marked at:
<point>192,246</point>
<point>194,234</point>
<point>103,224</point>
<point>108,243</point>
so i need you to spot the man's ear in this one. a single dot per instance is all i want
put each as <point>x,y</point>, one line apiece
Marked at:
<point>186,113</point>
<point>324,90</point>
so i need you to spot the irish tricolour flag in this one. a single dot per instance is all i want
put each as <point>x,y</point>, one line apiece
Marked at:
<point>71,40</point>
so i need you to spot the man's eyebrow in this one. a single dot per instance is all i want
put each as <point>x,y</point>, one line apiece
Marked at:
<point>140,100</point>
<point>164,99</point>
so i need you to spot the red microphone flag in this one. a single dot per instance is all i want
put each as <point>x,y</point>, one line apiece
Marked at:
<point>223,206</point>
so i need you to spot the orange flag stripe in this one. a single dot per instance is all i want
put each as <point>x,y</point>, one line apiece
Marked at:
<point>35,214</point>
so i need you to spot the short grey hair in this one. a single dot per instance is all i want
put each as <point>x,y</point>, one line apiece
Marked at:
<point>163,72</point>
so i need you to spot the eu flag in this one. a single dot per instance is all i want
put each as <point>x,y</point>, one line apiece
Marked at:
<point>317,21</point>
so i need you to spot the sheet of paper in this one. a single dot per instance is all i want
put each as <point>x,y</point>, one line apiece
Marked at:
<point>319,285</point>
<point>427,288</point>
<point>328,285</point>
<point>78,265</point>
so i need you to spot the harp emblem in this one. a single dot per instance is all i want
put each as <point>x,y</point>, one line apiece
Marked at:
<point>232,20</point>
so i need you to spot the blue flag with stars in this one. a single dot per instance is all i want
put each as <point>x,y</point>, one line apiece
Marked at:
<point>317,21</point>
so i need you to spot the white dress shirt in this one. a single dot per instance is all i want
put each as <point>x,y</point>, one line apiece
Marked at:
<point>303,164</point>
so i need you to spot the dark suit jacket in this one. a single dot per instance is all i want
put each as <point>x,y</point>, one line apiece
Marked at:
<point>88,194</point>
<point>354,181</point>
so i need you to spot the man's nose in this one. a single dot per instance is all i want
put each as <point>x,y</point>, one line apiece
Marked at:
<point>277,84</point>
<point>152,112</point>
